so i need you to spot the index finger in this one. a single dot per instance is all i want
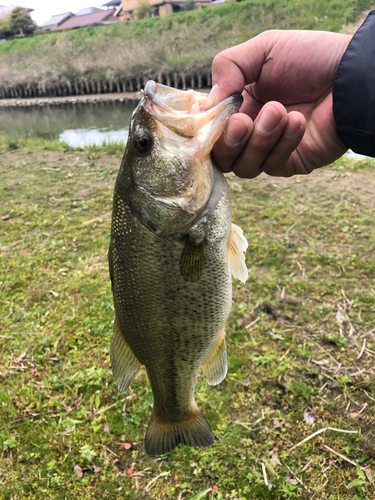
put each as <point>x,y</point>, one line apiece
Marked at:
<point>236,67</point>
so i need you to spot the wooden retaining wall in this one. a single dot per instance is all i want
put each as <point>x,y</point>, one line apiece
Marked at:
<point>84,86</point>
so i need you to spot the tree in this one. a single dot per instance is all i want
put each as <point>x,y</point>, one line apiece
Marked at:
<point>143,10</point>
<point>19,19</point>
<point>188,5</point>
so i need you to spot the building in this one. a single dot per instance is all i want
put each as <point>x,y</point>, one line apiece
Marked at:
<point>93,17</point>
<point>119,13</point>
<point>55,21</point>
<point>160,7</point>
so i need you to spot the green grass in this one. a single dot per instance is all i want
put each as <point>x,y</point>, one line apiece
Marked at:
<point>184,42</point>
<point>10,143</point>
<point>300,339</point>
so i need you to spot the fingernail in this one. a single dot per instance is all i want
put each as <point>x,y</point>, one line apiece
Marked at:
<point>212,96</point>
<point>235,132</point>
<point>291,128</point>
<point>268,120</point>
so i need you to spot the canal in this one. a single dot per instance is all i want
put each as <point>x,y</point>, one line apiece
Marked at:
<point>78,124</point>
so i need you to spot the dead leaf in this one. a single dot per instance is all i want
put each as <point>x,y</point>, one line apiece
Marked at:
<point>278,423</point>
<point>368,472</point>
<point>309,417</point>
<point>20,358</point>
<point>78,471</point>
<point>354,415</point>
<point>340,318</point>
<point>274,457</point>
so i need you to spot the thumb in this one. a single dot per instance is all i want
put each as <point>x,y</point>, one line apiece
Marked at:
<point>236,67</point>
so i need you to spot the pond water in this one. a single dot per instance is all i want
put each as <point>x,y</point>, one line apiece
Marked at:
<point>78,124</point>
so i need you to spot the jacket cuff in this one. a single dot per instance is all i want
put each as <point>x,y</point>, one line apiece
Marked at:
<point>354,91</point>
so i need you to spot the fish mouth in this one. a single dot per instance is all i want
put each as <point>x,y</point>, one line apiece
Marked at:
<point>183,112</point>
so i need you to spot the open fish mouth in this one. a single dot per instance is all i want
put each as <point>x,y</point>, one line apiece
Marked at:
<point>185,101</point>
<point>183,112</point>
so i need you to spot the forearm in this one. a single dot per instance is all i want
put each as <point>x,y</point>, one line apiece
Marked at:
<point>354,91</point>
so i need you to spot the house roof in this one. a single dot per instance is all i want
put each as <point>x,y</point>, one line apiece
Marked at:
<point>112,3</point>
<point>86,20</point>
<point>56,20</point>
<point>87,10</point>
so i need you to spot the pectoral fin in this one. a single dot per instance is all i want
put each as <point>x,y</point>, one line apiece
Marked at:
<point>215,368</point>
<point>192,261</point>
<point>124,363</point>
<point>237,246</point>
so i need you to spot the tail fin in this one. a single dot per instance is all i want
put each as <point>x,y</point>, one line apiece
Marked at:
<point>163,436</point>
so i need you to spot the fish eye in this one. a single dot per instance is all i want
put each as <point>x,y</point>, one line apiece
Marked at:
<point>142,141</point>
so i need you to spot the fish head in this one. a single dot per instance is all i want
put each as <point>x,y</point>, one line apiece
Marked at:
<point>167,159</point>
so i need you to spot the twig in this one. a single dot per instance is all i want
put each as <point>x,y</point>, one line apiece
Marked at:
<point>243,425</point>
<point>327,352</point>
<point>362,350</point>
<point>264,474</point>
<point>148,487</point>
<point>182,492</point>
<point>306,466</point>
<point>96,219</point>
<point>319,432</point>
<point>343,457</point>
<point>368,395</point>
<point>28,418</point>
<point>108,407</point>
<point>247,327</point>
<point>365,406</point>
<point>285,354</point>
<point>298,479</point>
<point>358,373</point>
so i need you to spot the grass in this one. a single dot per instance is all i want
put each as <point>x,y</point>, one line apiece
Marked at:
<point>301,342</point>
<point>186,41</point>
<point>11,143</point>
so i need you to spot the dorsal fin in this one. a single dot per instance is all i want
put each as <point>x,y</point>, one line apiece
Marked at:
<point>237,246</point>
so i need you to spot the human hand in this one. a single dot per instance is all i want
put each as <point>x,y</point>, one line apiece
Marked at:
<point>286,124</point>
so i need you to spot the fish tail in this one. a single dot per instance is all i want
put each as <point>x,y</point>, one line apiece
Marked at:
<point>163,436</point>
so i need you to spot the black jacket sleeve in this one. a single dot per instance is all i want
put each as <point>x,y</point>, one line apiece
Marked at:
<point>354,91</point>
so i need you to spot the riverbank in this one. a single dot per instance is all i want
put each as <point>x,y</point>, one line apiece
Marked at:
<point>93,98</point>
<point>176,50</point>
<point>82,99</point>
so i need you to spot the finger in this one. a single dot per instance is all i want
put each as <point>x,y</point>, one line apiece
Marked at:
<point>268,128</point>
<point>283,160</point>
<point>233,68</point>
<point>232,142</point>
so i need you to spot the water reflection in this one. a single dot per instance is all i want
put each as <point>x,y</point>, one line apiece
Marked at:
<point>78,124</point>
<point>84,137</point>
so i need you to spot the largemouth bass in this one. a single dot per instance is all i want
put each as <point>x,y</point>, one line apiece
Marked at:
<point>173,248</point>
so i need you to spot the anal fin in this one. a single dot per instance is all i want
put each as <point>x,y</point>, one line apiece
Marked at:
<point>124,363</point>
<point>237,246</point>
<point>215,368</point>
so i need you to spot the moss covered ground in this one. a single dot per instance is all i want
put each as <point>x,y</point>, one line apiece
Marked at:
<point>301,342</point>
